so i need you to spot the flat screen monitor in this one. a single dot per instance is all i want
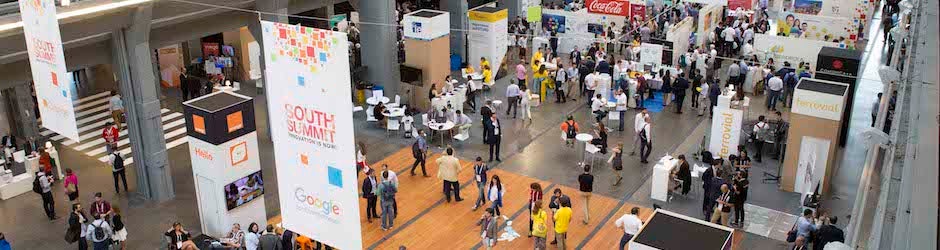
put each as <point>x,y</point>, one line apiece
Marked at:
<point>410,75</point>
<point>244,190</point>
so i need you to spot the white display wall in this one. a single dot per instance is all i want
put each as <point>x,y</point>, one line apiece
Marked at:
<point>725,131</point>
<point>708,18</point>
<point>818,28</point>
<point>679,34</point>
<point>488,38</point>
<point>576,28</point>
<point>793,50</point>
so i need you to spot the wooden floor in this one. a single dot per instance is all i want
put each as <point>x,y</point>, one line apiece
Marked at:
<point>426,221</point>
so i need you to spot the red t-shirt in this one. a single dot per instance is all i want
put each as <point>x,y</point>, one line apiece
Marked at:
<point>110,134</point>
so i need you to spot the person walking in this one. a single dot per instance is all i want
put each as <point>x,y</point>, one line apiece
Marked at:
<point>535,195</point>
<point>679,89</point>
<point>539,228</point>
<point>561,84</point>
<point>495,194</point>
<point>99,233</point>
<point>117,108</point>
<point>120,232</point>
<point>512,99</point>
<point>616,163</point>
<point>562,218</point>
<point>586,186</point>
<point>110,135</point>
<point>639,121</point>
<point>569,128</point>
<point>521,72</point>
<point>269,240</point>
<point>493,136</point>
<point>631,224</point>
<point>44,185</point>
<point>488,228</point>
<point>697,88</point>
<point>479,177</point>
<point>703,98</point>
<point>774,86</point>
<point>621,106</point>
<point>369,189</point>
<point>76,231</point>
<point>525,103</point>
<point>448,167</point>
<point>71,185</point>
<point>420,152</point>
<point>761,131</point>
<point>117,170</point>
<point>646,141</point>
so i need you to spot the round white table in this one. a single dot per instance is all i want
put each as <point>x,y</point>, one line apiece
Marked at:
<point>584,138</point>
<point>372,101</point>
<point>441,127</point>
<point>394,112</point>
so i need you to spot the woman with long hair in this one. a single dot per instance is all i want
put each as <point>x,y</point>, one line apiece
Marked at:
<point>616,162</point>
<point>253,237</point>
<point>180,239</point>
<point>71,184</point>
<point>120,232</point>
<point>361,164</point>
<point>539,228</point>
<point>535,195</point>
<point>496,193</point>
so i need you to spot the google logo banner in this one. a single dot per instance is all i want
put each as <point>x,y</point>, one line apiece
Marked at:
<point>313,204</point>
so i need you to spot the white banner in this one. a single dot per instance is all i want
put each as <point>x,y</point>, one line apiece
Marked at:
<point>679,34</point>
<point>488,38</point>
<point>651,54</point>
<point>789,49</point>
<point>725,133</point>
<point>821,28</point>
<point>47,61</point>
<point>814,156</point>
<point>309,105</point>
<point>709,17</point>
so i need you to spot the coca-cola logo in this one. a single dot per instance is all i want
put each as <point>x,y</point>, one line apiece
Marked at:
<point>837,64</point>
<point>609,7</point>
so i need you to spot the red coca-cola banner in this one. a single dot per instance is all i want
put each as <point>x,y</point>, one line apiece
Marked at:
<point>609,7</point>
<point>743,4</point>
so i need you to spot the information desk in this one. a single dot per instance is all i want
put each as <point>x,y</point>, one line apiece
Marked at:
<point>671,231</point>
<point>660,185</point>
<point>18,185</point>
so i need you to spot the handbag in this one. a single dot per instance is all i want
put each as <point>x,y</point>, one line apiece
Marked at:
<point>70,189</point>
<point>791,235</point>
<point>71,236</point>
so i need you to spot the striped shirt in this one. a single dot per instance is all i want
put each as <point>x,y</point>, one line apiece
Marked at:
<point>534,195</point>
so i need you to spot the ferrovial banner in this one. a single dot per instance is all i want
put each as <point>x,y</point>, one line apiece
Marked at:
<point>309,104</point>
<point>726,132</point>
<point>47,61</point>
<point>488,37</point>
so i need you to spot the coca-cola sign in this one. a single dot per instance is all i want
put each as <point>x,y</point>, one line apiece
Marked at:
<point>609,7</point>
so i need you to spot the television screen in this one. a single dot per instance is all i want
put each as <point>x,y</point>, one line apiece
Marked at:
<point>244,190</point>
<point>410,75</point>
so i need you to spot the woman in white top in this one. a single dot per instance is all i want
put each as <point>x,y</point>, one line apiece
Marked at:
<point>525,106</point>
<point>252,238</point>
<point>361,157</point>
<point>496,193</point>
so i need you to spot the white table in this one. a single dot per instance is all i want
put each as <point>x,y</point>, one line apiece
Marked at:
<point>392,113</point>
<point>455,98</point>
<point>584,138</point>
<point>441,127</point>
<point>603,85</point>
<point>18,185</point>
<point>372,101</point>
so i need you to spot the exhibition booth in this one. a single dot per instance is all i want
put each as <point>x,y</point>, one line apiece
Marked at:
<point>669,230</point>
<point>488,38</point>
<point>223,147</point>
<point>427,46</point>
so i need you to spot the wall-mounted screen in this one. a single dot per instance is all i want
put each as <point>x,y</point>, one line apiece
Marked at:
<point>244,190</point>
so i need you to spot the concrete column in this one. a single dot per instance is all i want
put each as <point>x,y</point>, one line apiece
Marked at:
<point>26,125</point>
<point>458,24</point>
<point>279,7</point>
<point>513,6</point>
<point>329,8</point>
<point>140,90</point>
<point>380,44</point>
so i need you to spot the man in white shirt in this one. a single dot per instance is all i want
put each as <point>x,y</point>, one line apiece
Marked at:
<point>598,106</point>
<point>512,96</point>
<point>774,86</point>
<point>621,106</point>
<point>590,83</point>
<point>572,75</point>
<point>561,84</point>
<point>631,224</point>
<point>728,35</point>
<point>733,72</point>
<point>639,120</point>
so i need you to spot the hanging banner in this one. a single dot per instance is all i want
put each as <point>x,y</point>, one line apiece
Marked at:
<point>309,105</point>
<point>171,61</point>
<point>821,28</point>
<point>488,36</point>
<point>608,7</point>
<point>533,14</point>
<point>638,11</point>
<point>726,132</point>
<point>47,62</point>
<point>743,4</point>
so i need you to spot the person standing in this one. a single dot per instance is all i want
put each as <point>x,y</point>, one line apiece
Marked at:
<point>723,206</point>
<point>703,98</point>
<point>479,177</point>
<point>679,89</point>
<point>805,225</point>
<point>631,224</point>
<point>521,72</point>
<point>99,233</point>
<point>760,130</point>
<point>117,170</point>
<point>420,152</point>
<point>697,88</point>
<point>369,189</point>
<point>639,121</point>
<point>269,240</point>
<point>739,197</point>
<point>562,218</point>
<point>646,141</point>
<point>100,206</point>
<point>448,167</point>
<point>621,107</point>
<point>117,108</point>
<point>393,177</point>
<point>71,185</point>
<point>120,233</point>
<point>45,188</point>
<point>684,174</point>
<point>512,99</point>
<point>666,88</point>
<point>734,71</point>
<point>110,135</point>
<point>539,228</point>
<point>495,194</point>
<point>525,103</point>
<point>570,129</point>
<point>827,233</point>
<point>535,195</point>
<point>616,163</point>
<point>774,86</point>
<point>488,228</point>
<point>561,83</point>
<point>713,92</point>
<point>586,186</point>
<point>388,190</point>
<point>493,136</point>
<point>76,231</point>
<point>874,109</point>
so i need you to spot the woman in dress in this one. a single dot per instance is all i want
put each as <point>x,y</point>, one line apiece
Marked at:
<point>616,162</point>
<point>120,232</point>
<point>496,193</point>
<point>525,104</point>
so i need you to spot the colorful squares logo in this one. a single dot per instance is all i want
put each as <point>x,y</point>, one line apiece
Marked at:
<point>304,159</point>
<point>55,79</point>
<point>322,57</point>
<point>65,94</point>
<point>300,81</point>
<point>335,176</point>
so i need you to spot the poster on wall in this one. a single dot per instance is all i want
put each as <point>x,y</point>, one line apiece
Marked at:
<point>47,62</point>
<point>709,17</point>
<point>554,22</point>
<point>743,4</point>
<point>821,28</point>
<point>210,49</point>
<point>788,49</point>
<point>651,54</point>
<point>608,7</point>
<point>312,129</point>
<point>725,132</point>
<point>638,11</point>
<point>171,61</point>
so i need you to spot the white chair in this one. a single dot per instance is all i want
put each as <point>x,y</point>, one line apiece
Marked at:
<point>424,120</point>
<point>591,149</point>
<point>391,125</point>
<point>407,122</point>
<point>396,103</point>
<point>370,116</point>
<point>463,135</point>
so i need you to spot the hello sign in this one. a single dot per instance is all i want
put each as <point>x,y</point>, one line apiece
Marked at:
<point>609,7</point>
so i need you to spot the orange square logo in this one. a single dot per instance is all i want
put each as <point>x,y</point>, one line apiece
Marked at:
<point>234,121</point>
<point>199,124</point>
<point>238,153</point>
<point>304,159</point>
<point>55,79</point>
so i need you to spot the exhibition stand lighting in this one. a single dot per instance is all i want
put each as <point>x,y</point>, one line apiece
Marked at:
<point>79,12</point>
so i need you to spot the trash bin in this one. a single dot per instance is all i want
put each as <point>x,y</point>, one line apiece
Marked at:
<point>455,62</point>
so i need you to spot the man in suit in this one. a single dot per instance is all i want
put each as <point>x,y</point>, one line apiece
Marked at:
<point>493,135</point>
<point>368,192</point>
<point>486,111</point>
<point>828,232</point>
<point>707,177</point>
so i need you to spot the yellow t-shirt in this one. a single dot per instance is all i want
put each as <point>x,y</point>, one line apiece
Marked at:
<point>484,63</point>
<point>539,228</point>
<point>562,218</point>
<point>487,75</point>
<point>536,56</point>
<point>469,70</point>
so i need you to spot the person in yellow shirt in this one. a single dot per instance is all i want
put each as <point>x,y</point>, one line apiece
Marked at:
<point>539,76</point>
<point>468,70</point>
<point>536,58</point>
<point>484,63</point>
<point>487,75</point>
<point>539,228</point>
<point>562,218</point>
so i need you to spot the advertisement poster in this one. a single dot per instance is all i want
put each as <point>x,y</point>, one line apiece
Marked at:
<point>811,168</point>
<point>821,28</point>
<point>743,4</point>
<point>608,7</point>
<point>726,132</point>
<point>47,62</point>
<point>309,106</point>
<point>171,61</point>
<point>651,54</point>
<point>638,11</point>
<point>488,36</point>
<point>553,22</point>
<point>210,49</point>
<point>788,49</point>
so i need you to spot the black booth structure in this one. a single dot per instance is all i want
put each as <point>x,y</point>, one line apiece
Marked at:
<point>842,66</point>
<point>672,231</point>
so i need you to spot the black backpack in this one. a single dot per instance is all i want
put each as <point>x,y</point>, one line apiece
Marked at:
<point>36,186</point>
<point>118,162</point>
<point>571,133</point>
<point>99,233</point>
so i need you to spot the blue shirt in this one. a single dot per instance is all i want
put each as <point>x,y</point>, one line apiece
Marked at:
<point>804,227</point>
<point>422,143</point>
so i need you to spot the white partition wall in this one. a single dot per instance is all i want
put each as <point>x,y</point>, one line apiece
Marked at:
<point>488,37</point>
